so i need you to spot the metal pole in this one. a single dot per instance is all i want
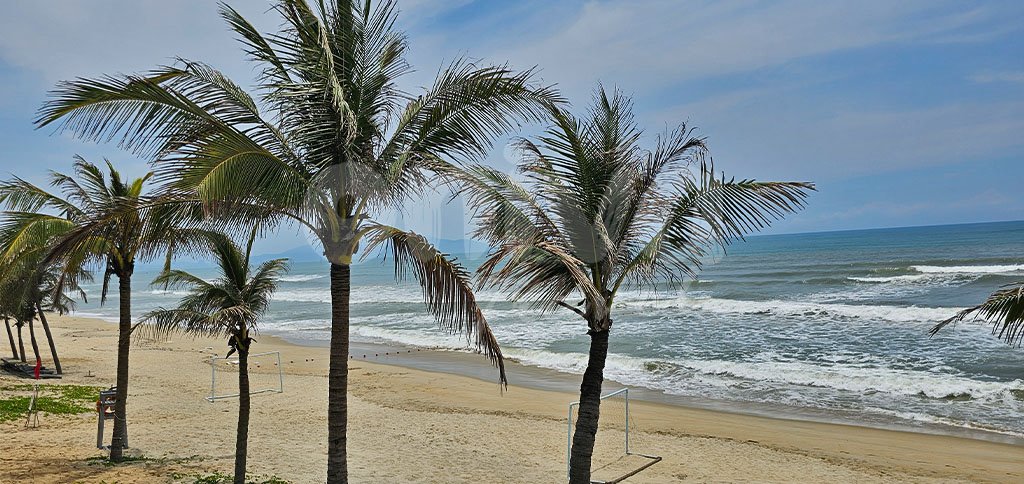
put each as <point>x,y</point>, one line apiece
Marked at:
<point>280,373</point>
<point>627,421</point>
<point>213,378</point>
<point>568,445</point>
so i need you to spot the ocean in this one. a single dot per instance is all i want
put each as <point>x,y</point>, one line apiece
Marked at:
<point>825,325</point>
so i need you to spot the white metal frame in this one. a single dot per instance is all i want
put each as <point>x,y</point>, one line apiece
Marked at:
<point>568,448</point>
<point>213,378</point>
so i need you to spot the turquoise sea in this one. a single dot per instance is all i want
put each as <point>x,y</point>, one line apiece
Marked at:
<point>819,324</point>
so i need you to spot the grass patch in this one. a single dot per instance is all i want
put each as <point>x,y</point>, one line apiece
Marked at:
<point>101,460</point>
<point>221,478</point>
<point>53,400</point>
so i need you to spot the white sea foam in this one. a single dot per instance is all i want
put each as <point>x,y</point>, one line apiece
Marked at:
<point>858,379</point>
<point>795,308</point>
<point>934,419</point>
<point>910,278</point>
<point>302,277</point>
<point>168,292</point>
<point>993,269</point>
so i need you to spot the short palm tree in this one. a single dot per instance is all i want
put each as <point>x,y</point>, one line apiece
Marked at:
<point>344,144</point>
<point>597,213</point>
<point>1004,308</point>
<point>230,305</point>
<point>96,219</point>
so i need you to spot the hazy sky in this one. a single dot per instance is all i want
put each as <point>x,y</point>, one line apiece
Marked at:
<point>904,113</point>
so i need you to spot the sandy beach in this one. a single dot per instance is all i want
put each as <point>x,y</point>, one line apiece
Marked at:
<point>408,425</point>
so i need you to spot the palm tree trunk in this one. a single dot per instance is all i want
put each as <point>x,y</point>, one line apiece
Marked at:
<point>242,436</point>
<point>21,342</point>
<point>10,336</point>
<point>337,383</point>
<point>32,338</point>
<point>49,339</point>
<point>124,335</point>
<point>589,411</point>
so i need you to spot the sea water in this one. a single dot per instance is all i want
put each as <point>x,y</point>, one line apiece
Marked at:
<point>834,323</point>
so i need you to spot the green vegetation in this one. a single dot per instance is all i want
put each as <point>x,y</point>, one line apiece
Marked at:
<point>100,460</point>
<point>221,478</point>
<point>53,400</point>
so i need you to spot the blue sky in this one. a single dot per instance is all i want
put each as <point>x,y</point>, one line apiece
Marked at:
<point>904,113</point>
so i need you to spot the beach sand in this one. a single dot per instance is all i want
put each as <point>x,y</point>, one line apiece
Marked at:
<point>409,425</point>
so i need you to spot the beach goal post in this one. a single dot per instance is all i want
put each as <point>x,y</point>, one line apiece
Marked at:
<point>266,375</point>
<point>613,441</point>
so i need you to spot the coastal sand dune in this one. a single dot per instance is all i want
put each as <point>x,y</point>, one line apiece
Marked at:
<point>408,425</point>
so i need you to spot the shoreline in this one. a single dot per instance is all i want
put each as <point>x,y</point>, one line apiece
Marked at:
<point>413,425</point>
<point>468,364</point>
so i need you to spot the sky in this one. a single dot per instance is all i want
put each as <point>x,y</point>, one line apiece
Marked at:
<point>903,113</point>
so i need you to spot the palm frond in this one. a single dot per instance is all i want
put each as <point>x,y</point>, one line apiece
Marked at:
<point>1004,309</point>
<point>447,290</point>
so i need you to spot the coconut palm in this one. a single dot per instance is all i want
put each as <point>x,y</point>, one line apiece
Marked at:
<point>10,336</point>
<point>97,219</point>
<point>7,309</point>
<point>230,305</point>
<point>597,213</point>
<point>1004,308</point>
<point>344,144</point>
<point>44,288</point>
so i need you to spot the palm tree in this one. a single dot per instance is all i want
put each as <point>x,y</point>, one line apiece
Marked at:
<point>98,219</point>
<point>344,144</point>
<point>45,288</point>
<point>596,212</point>
<point>230,305</point>
<point>7,311</point>
<point>1004,308</point>
<point>10,335</point>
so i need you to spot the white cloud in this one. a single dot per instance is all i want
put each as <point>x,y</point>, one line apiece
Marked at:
<point>659,43</point>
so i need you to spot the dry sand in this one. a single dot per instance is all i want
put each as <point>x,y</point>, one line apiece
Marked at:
<point>409,425</point>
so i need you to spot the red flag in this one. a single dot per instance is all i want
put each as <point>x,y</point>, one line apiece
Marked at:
<point>39,366</point>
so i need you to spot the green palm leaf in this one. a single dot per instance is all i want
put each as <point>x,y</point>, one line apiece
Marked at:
<point>1004,309</point>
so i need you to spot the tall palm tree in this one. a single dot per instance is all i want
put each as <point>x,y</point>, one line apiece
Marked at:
<point>10,335</point>
<point>1004,308</point>
<point>230,305</point>
<point>7,304</point>
<point>96,219</point>
<point>597,212</point>
<point>343,144</point>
